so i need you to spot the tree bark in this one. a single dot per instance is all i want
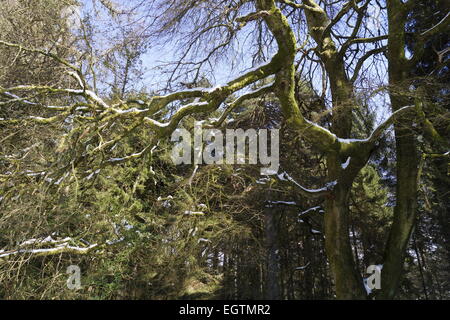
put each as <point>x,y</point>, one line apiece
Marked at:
<point>348,281</point>
<point>272,281</point>
<point>407,159</point>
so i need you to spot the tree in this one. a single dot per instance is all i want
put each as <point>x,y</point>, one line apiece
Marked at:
<point>342,45</point>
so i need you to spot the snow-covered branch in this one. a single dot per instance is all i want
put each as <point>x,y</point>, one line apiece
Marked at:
<point>47,246</point>
<point>314,193</point>
<point>352,144</point>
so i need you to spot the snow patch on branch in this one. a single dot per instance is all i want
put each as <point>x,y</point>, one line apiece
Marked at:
<point>194,213</point>
<point>286,177</point>
<point>287,203</point>
<point>303,267</point>
<point>157,123</point>
<point>317,208</point>
<point>346,163</point>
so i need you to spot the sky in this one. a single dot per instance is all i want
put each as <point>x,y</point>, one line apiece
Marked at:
<point>158,55</point>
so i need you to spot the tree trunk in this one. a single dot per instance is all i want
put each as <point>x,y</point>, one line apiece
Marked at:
<point>272,283</point>
<point>348,281</point>
<point>407,160</point>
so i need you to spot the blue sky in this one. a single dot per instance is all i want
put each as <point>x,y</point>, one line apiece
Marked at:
<point>158,55</point>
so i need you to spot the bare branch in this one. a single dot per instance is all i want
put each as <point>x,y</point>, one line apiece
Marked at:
<point>361,61</point>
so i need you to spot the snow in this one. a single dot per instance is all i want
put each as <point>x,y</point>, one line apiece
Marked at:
<point>36,118</point>
<point>166,204</point>
<point>288,203</point>
<point>368,290</point>
<point>348,141</point>
<point>217,87</point>
<point>127,225</point>
<point>11,95</point>
<point>329,186</point>
<point>111,242</point>
<point>309,210</point>
<point>200,90</point>
<point>81,108</point>
<point>345,165</point>
<point>166,198</point>
<point>89,177</point>
<point>96,98</point>
<point>281,176</point>
<point>56,249</point>
<point>303,267</point>
<point>268,172</point>
<point>130,110</point>
<point>61,179</point>
<point>18,98</point>
<point>199,213</point>
<point>134,155</point>
<point>74,91</point>
<point>77,77</point>
<point>157,123</point>
<point>165,201</point>
<point>262,180</point>
<point>320,127</point>
<point>195,104</point>
<point>48,239</point>
<point>34,174</point>
<point>30,241</point>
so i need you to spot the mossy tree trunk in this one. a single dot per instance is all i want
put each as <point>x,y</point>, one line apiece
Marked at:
<point>406,154</point>
<point>348,281</point>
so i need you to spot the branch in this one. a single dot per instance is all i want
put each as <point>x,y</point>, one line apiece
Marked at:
<point>309,211</point>
<point>299,6</point>
<point>439,27</point>
<point>311,193</point>
<point>45,53</point>
<point>430,131</point>
<point>132,156</point>
<point>345,9</point>
<point>352,145</point>
<point>252,16</point>
<point>250,95</point>
<point>376,134</point>
<point>61,246</point>
<point>350,42</point>
<point>361,61</point>
<point>214,97</point>
<point>87,94</point>
<point>277,23</point>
